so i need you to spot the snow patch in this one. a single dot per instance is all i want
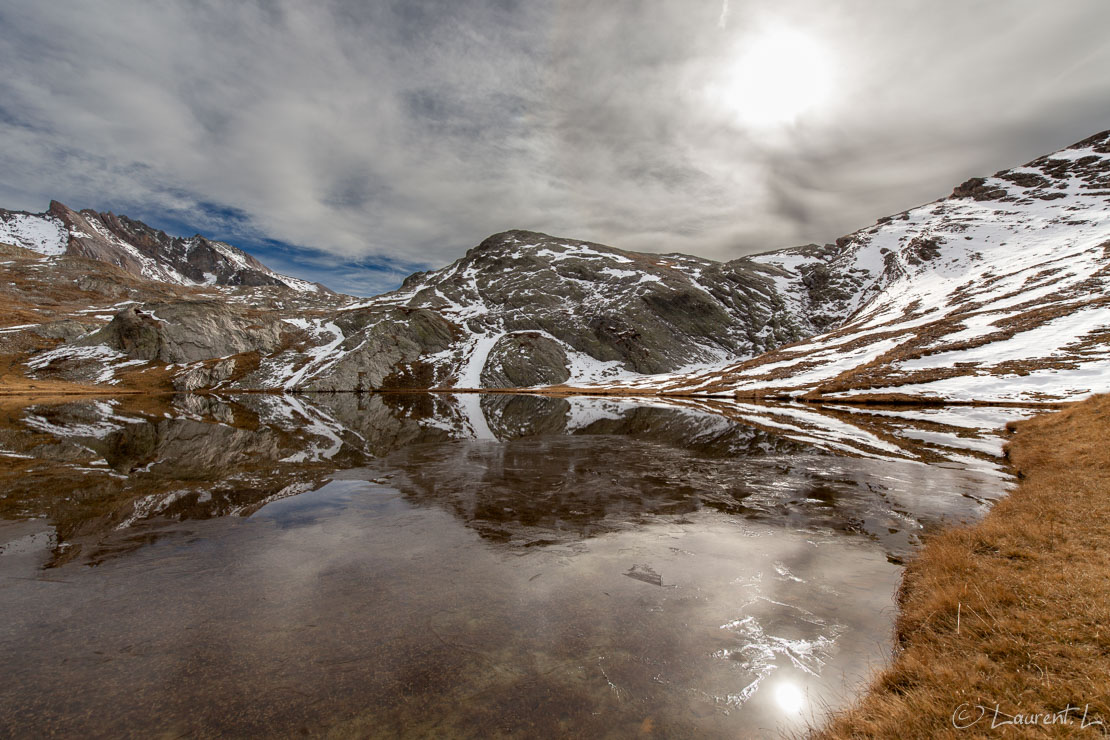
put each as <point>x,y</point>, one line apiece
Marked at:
<point>43,234</point>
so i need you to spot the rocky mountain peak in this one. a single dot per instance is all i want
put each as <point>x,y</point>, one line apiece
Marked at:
<point>60,210</point>
<point>139,249</point>
<point>1099,142</point>
<point>508,240</point>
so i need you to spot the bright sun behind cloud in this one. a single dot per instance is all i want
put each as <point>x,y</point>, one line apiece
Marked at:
<point>776,76</point>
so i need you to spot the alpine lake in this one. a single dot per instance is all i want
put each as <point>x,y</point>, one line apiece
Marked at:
<point>435,565</point>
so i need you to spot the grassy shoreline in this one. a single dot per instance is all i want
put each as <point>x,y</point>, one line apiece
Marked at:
<point>1010,618</point>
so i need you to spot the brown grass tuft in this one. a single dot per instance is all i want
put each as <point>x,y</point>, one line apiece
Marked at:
<point>1012,612</point>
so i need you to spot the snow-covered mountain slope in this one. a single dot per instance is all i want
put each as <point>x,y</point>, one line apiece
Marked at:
<point>522,309</point>
<point>997,293</point>
<point>527,309</point>
<point>1000,292</point>
<point>140,250</point>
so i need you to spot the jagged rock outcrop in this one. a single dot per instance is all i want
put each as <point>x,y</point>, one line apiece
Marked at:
<point>363,349</point>
<point>187,331</point>
<point>389,353</point>
<point>65,329</point>
<point>204,375</point>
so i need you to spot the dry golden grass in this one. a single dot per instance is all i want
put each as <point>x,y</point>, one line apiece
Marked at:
<point>1013,612</point>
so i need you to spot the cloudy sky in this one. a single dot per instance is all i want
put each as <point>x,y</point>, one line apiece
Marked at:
<point>352,142</point>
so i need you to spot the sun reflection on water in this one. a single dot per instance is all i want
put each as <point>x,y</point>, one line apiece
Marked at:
<point>789,697</point>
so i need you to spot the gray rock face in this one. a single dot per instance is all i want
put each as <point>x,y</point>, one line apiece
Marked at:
<point>66,329</point>
<point>524,359</point>
<point>186,331</point>
<point>204,375</point>
<point>389,353</point>
<point>360,349</point>
<point>103,285</point>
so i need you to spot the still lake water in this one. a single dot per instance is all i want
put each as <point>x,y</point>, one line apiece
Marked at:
<point>473,566</point>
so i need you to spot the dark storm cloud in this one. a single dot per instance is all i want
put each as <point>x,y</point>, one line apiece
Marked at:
<point>403,133</point>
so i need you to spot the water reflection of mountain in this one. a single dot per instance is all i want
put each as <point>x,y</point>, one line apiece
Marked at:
<point>561,488</point>
<point>701,433</point>
<point>108,476</point>
<point>96,473</point>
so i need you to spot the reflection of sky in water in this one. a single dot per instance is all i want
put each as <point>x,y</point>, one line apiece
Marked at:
<point>661,571</point>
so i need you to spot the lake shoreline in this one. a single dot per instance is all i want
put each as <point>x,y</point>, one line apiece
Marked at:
<point>63,389</point>
<point>999,622</point>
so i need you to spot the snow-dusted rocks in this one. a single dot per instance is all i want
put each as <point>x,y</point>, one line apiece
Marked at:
<point>523,359</point>
<point>365,348</point>
<point>187,331</point>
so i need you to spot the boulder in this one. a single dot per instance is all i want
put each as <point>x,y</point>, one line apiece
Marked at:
<point>525,359</point>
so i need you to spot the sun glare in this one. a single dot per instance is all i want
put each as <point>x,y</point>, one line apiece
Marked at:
<point>776,77</point>
<point>789,697</point>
